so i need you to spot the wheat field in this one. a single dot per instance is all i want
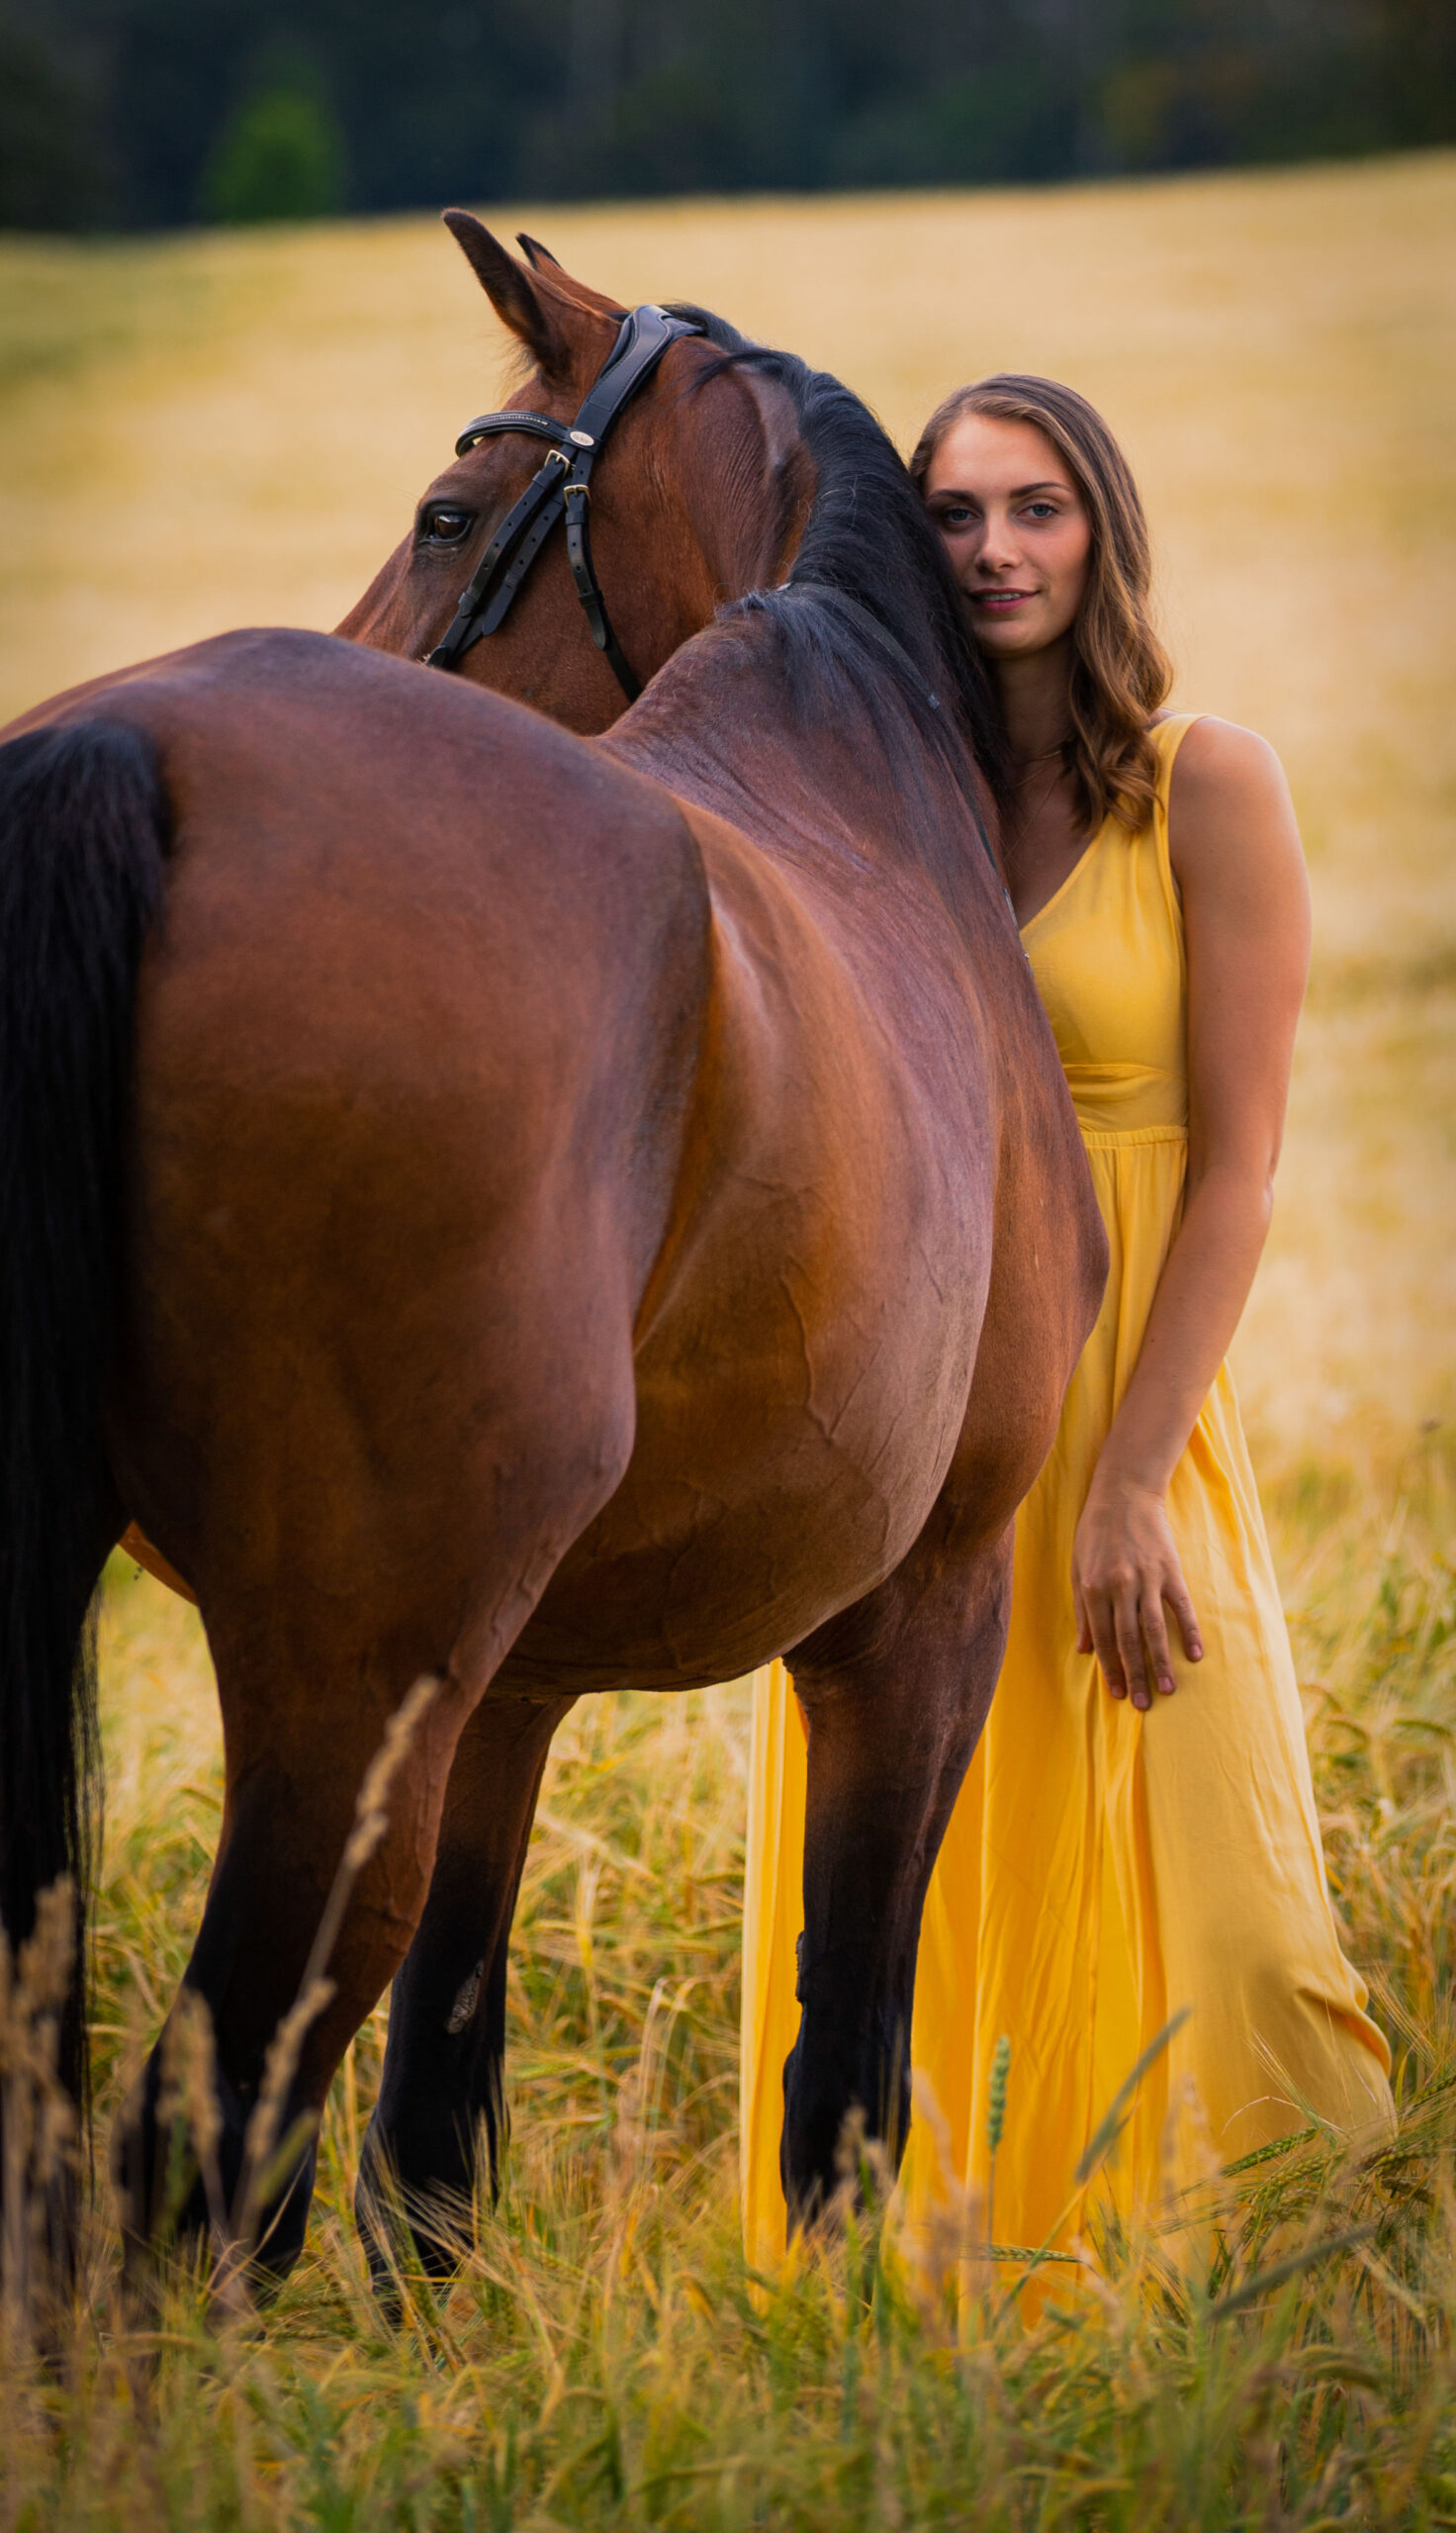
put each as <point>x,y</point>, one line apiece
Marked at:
<point>219,430</point>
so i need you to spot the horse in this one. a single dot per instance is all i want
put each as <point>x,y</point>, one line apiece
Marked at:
<point>538,1215</point>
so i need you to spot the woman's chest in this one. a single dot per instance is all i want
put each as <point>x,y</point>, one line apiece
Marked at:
<point>1107,954</point>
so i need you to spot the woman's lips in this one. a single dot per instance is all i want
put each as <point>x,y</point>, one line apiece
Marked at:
<point>1000,601</point>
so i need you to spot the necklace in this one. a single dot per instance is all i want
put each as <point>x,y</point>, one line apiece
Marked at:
<point>1044,757</point>
<point>1032,810</point>
<point>1028,811</point>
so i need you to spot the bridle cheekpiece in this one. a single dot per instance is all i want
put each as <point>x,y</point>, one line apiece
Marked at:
<point>562,489</point>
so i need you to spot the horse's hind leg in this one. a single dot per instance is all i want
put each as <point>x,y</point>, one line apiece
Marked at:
<point>895,1691</point>
<point>443,2070</point>
<point>295,1770</point>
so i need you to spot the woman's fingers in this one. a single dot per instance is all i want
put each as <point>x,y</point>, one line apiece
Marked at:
<point>1130,1645</point>
<point>1175,1593</point>
<point>1104,1643</point>
<point>1125,1626</point>
<point>1155,1629</point>
<point>1125,1578</point>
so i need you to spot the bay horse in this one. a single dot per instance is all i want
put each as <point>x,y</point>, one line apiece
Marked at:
<point>543,1214</point>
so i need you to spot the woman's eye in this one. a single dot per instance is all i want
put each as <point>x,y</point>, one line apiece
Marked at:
<point>447,528</point>
<point>1041,510</point>
<point>958,515</point>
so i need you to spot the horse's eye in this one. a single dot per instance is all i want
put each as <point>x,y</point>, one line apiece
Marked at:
<point>445,526</point>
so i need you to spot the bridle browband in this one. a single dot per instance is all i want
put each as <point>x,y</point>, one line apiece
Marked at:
<point>560,488</point>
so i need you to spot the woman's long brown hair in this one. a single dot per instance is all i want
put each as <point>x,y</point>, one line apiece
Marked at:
<point>1121,671</point>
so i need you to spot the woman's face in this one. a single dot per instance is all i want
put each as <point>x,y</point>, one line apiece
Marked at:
<point>1016,532</point>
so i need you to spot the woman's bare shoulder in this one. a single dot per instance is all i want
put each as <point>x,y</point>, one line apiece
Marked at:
<point>1228,800</point>
<point>1215,756</point>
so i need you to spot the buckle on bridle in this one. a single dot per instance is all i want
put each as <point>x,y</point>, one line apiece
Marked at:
<point>486,600</point>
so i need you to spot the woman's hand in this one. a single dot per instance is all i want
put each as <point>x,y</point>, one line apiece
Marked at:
<point>1125,1567</point>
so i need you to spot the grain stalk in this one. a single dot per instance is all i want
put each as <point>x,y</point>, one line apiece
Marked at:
<point>39,2119</point>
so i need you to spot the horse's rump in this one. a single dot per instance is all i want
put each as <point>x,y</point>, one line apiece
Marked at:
<point>424,969</point>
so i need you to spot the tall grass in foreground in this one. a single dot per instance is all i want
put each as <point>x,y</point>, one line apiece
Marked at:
<point>604,2359</point>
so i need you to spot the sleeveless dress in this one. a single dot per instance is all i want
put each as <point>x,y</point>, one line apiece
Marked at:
<point>1103,1867</point>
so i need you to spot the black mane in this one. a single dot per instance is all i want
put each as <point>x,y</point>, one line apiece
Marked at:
<point>869,540</point>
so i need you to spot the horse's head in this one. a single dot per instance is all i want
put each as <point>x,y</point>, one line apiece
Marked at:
<point>699,492</point>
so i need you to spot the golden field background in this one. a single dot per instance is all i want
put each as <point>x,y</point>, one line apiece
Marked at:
<point>220,430</point>
<point>232,429</point>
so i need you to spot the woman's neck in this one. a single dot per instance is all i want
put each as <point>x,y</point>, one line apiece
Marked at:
<point>1036,699</point>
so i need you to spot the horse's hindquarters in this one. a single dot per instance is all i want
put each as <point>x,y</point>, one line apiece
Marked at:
<point>412,1065</point>
<point>410,1083</point>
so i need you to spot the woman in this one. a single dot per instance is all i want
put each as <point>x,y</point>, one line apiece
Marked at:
<point>1138,1831</point>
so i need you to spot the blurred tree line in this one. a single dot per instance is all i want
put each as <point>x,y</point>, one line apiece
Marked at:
<point>149,112</point>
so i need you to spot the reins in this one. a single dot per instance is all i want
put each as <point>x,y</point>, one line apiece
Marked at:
<point>562,488</point>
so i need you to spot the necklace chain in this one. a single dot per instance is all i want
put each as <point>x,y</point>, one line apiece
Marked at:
<point>1044,757</point>
<point>1027,812</point>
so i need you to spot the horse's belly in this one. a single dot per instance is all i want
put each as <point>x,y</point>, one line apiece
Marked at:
<point>756,1506</point>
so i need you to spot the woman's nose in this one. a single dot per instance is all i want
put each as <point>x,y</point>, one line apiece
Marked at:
<point>997,551</point>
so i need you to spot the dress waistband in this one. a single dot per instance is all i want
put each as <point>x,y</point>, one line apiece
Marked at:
<point>1129,1103</point>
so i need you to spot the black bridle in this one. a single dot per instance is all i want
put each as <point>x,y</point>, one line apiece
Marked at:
<point>560,488</point>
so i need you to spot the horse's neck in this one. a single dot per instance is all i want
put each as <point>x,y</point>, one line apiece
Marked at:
<point>797,782</point>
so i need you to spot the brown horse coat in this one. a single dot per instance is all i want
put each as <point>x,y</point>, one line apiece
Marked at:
<point>593,1215</point>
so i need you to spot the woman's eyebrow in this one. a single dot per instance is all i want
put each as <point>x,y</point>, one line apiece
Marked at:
<point>1019,492</point>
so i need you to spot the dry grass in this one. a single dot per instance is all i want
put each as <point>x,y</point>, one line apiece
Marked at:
<point>604,2360</point>
<point>223,429</point>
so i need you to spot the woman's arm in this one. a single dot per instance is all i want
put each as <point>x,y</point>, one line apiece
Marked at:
<point>1237,857</point>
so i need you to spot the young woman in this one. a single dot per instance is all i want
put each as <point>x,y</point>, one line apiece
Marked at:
<point>1138,1831</point>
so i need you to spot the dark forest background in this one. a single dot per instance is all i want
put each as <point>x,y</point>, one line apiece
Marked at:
<point>151,113</point>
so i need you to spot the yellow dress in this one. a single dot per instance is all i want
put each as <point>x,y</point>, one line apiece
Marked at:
<point>1103,1867</point>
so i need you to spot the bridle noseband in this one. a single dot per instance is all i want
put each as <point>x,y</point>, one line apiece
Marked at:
<point>560,488</point>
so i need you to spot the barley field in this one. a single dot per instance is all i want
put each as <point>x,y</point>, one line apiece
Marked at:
<point>223,429</point>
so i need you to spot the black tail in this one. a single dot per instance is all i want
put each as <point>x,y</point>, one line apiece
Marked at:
<point>83,827</point>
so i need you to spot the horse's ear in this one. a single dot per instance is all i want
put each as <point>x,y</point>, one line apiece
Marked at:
<point>558,284</point>
<point>536,255</point>
<point>510,291</point>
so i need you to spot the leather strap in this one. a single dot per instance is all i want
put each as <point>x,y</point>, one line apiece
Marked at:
<point>578,499</point>
<point>560,488</point>
<point>545,426</point>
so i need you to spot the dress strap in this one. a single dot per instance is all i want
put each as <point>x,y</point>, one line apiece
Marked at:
<point>1167,737</point>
